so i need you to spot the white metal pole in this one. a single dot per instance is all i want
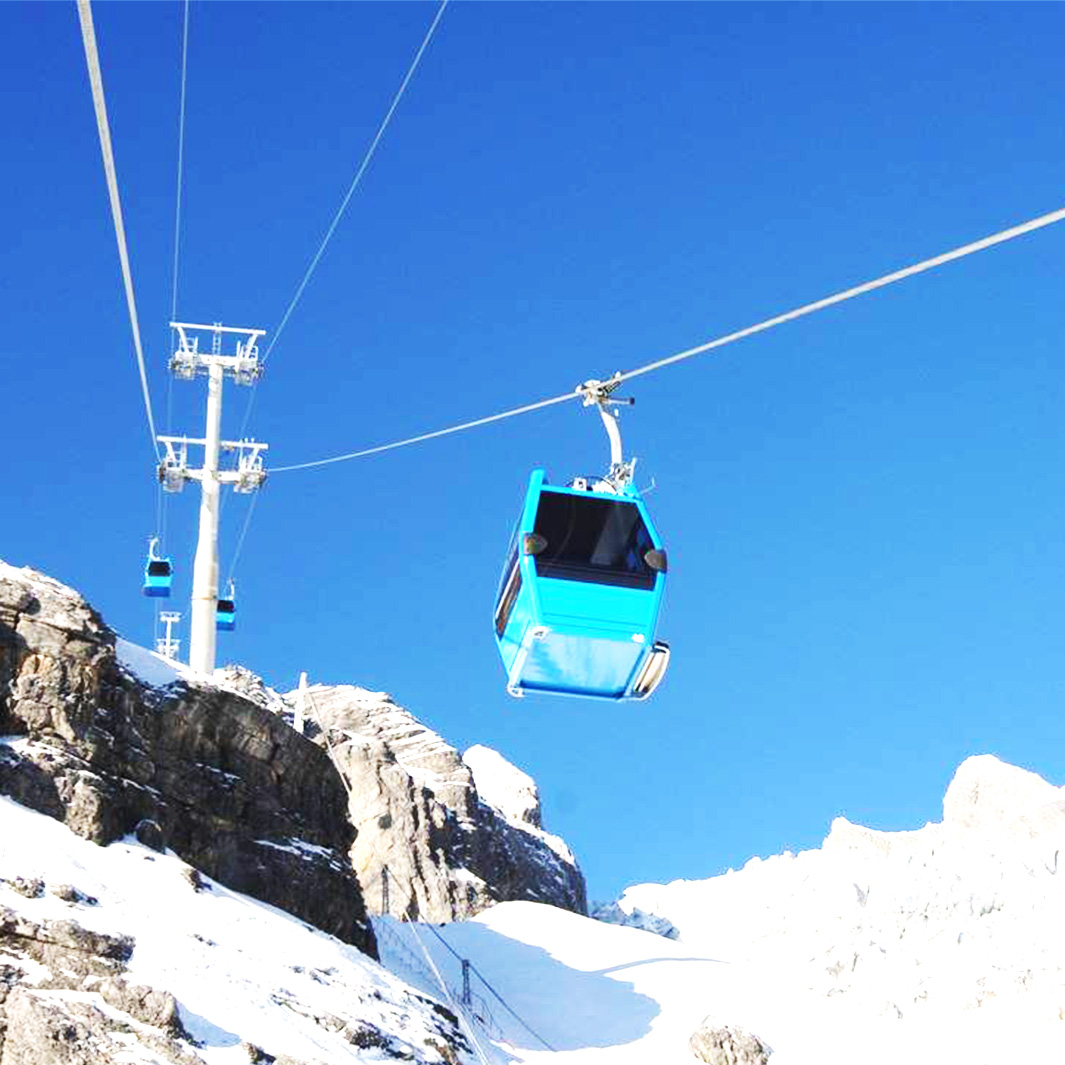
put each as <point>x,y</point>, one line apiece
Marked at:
<point>205,570</point>
<point>610,420</point>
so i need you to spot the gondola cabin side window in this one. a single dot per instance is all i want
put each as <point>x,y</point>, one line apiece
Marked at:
<point>509,589</point>
<point>594,539</point>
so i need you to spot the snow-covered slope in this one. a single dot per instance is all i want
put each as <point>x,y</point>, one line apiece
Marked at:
<point>241,971</point>
<point>581,991</point>
<point>953,934</point>
<point>944,945</point>
<point>941,945</point>
<point>938,946</point>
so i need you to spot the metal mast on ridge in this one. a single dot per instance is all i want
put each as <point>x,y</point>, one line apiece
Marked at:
<point>248,475</point>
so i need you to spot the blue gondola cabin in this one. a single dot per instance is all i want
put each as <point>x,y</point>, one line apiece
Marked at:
<point>158,575</point>
<point>226,615</point>
<point>580,594</point>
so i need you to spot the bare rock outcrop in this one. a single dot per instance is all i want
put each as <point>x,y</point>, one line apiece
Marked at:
<point>65,999</point>
<point>220,780</point>
<point>53,1029</point>
<point>450,851</point>
<point>724,1044</point>
<point>634,917</point>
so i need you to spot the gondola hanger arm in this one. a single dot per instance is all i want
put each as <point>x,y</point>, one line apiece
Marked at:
<point>600,394</point>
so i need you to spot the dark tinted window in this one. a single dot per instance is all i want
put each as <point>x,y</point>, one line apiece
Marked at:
<point>158,569</point>
<point>509,587</point>
<point>592,538</point>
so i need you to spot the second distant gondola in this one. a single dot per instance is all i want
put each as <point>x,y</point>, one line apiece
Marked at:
<point>158,574</point>
<point>226,612</point>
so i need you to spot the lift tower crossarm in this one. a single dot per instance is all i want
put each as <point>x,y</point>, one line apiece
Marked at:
<point>188,361</point>
<point>217,327</point>
<point>246,477</point>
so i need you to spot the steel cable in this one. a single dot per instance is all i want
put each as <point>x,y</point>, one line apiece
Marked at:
<point>356,180</point>
<point>369,154</point>
<point>729,338</point>
<point>161,500</point>
<point>92,59</point>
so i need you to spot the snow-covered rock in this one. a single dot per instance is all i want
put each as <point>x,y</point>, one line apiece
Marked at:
<point>429,843</point>
<point>251,686</point>
<point>633,917</point>
<point>955,917</point>
<point>722,1044</point>
<point>990,794</point>
<point>109,738</point>
<point>936,945</point>
<point>128,957</point>
<point>503,785</point>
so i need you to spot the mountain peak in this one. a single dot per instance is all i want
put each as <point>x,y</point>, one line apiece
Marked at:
<point>988,793</point>
<point>503,785</point>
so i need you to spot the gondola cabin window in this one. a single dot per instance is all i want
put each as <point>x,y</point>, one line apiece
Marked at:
<point>508,592</point>
<point>594,539</point>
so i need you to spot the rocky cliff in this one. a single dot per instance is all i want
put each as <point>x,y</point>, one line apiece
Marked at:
<point>440,836</point>
<point>220,780</point>
<point>112,740</point>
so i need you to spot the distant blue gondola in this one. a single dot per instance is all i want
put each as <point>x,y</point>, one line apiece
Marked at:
<point>158,574</point>
<point>580,594</point>
<point>225,612</point>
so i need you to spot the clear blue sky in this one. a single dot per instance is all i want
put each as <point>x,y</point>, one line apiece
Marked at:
<point>863,510</point>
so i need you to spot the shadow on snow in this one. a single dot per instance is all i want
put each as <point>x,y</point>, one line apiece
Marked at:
<point>568,1008</point>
